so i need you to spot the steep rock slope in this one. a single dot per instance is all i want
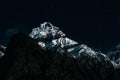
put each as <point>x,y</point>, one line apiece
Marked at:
<point>26,60</point>
<point>47,54</point>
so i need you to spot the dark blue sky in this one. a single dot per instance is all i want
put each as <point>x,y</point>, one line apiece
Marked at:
<point>92,22</point>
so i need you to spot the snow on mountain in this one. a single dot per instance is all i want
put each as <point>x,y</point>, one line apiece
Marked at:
<point>46,31</point>
<point>51,37</point>
<point>2,50</point>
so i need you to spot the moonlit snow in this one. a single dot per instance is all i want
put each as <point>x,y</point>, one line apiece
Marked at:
<point>52,38</point>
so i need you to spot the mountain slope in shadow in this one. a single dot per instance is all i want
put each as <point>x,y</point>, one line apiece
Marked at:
<point>25,60</point>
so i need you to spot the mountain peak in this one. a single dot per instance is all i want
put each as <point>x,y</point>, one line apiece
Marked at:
<point>48,54</point>
<point>52,38</point>
<point>25,59</point>
<point>46,31</point>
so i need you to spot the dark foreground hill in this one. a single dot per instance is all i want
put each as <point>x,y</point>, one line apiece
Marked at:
<point>25,60</point>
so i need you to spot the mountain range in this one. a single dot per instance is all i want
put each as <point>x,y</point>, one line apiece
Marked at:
<point>48,54</point>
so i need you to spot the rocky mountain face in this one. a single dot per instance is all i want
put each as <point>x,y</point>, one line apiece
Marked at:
<point>50,37</point>
<point>26,60</point>
<point>47,54</point>
<point>114,55</point>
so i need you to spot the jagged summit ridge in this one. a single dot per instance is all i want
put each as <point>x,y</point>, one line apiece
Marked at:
<point>46,31</point>
<point>51,37</point>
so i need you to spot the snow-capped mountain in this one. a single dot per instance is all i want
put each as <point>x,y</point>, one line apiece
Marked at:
<point>27,60</point>
<point>48,54</point>
<point>52,38</point>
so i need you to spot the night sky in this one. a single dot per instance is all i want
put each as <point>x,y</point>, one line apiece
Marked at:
<point>95,23</point>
